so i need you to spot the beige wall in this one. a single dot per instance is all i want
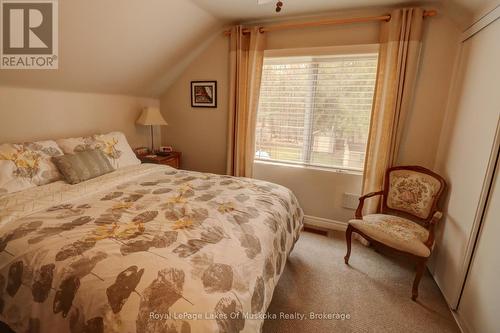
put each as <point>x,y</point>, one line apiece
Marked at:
<point>30,114</point>
<point>418,144</point>
<point>420,139</point>
<point>200,133</point>
<point>318,191</point>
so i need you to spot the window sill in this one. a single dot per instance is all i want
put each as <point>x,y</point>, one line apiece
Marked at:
<point>310,167</point>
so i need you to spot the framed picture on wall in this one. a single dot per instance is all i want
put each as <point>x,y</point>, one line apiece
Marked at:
<point>204,94</point>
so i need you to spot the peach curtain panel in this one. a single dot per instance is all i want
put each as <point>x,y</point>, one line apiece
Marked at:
<point>246,59</point>
<point>400,44</point>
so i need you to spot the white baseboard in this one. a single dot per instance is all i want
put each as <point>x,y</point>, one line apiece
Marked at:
<point>320,222</point>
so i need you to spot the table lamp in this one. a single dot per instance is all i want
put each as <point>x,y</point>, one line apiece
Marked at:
<point>151,116</point>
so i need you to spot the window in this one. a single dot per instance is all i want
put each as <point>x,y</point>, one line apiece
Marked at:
<point>315,110</point>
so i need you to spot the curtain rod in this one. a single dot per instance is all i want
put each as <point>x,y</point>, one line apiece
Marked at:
<point>284,26</point>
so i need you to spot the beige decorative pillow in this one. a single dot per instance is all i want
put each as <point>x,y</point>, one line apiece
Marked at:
<point>82,166</point>
<point>27,165</point>
<point>114,145</point>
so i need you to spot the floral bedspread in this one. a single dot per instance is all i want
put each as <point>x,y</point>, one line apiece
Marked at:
<point>144,249</point>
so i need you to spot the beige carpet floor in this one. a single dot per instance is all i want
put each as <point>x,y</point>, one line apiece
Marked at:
<point>374,290</point>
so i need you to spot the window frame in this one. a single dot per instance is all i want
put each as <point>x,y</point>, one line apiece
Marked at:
<point>341,50</point>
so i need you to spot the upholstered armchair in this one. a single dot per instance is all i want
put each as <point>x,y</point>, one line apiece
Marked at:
<point>408,215</point>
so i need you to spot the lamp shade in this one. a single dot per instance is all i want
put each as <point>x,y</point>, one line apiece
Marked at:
<point>151,116</point>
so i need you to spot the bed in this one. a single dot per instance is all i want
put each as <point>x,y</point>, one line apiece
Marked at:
<point>146,248</point>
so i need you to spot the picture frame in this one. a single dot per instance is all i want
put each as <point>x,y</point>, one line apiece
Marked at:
<point>204,94</point>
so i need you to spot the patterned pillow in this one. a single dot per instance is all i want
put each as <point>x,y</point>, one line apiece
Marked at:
<point>114,145</point>
<point>27,165</point>
<point>82,166</point>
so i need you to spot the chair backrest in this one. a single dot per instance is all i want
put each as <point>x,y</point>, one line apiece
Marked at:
<point>413,191</point>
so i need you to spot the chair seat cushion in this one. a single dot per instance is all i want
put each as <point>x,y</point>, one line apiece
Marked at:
<point>396,232</point>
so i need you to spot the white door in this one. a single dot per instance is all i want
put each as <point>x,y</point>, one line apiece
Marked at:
<point>466,157</point>
<point>480,302</point>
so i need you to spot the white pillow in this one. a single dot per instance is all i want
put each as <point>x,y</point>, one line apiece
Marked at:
<point>76,145</point>
<point>27,165</point>
<point>114,145</point>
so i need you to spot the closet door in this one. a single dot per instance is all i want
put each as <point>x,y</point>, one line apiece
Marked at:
<point>480,302</point>
<point>466,157</point>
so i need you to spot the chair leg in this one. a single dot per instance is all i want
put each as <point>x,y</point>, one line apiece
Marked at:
<point>418,277</point>
<point>348,234</point>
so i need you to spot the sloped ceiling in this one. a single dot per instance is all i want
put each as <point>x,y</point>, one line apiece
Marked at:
<point>138,47</point>
<point>118,46</point>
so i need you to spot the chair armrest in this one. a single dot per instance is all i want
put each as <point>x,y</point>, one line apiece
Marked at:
<point>359,211</point>
<point>436,217</point>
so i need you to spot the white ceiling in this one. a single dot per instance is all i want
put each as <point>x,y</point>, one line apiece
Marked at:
<point>249,9</point>
<point>138,47</point>
<point>474,6</point>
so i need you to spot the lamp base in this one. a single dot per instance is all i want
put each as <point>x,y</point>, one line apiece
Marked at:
<point>152,140</point>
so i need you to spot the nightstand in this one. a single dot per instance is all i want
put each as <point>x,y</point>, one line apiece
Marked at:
<point>173,159</point>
